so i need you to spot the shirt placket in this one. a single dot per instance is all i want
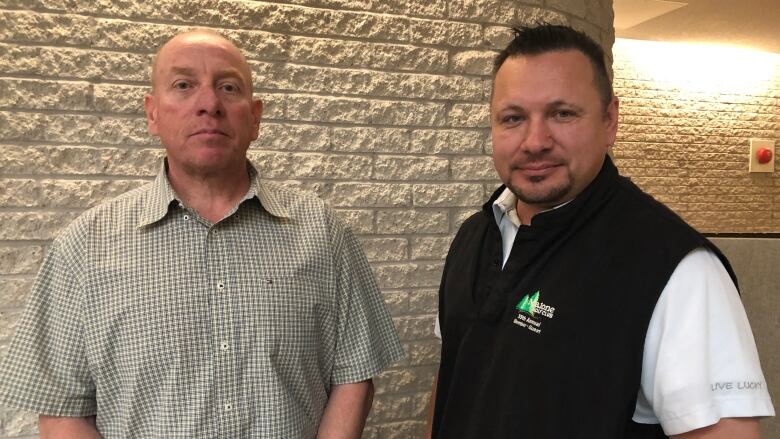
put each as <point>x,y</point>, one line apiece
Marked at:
<point>222,288</point>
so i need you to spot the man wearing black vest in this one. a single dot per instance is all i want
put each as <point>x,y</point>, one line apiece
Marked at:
<point>574,305</point>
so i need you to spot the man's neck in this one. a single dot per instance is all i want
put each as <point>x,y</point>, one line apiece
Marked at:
<point>211,195</point>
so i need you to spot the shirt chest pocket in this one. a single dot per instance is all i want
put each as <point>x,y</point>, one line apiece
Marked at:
<point>295,317</point>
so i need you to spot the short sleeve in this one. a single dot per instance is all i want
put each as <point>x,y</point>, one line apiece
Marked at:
<point>46,370</point>
<point>367,340</point>
<point>700,361</point>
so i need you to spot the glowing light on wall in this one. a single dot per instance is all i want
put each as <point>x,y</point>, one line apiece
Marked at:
<point>712,69</point>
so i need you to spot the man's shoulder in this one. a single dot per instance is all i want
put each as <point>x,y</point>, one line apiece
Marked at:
<point>649,225</point>
<point>471,228</point>
<point>292,198</point>
<point>642,207</point>
<point>477,220</point>
<point>125,207</point>
<point>298,204</point>
<point>306,213</point>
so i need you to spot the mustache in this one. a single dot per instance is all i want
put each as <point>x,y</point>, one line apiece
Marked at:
<point>540,156</point>
<point>538,159</point>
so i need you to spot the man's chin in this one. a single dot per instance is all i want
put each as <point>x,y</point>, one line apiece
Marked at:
<point>542,197</point>
<point>209,167</point>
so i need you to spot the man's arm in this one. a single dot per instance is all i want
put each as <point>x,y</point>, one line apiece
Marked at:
<point>431,407</point>
<point>346,411</point>
<point>726,428</point>
<point>56,427</point>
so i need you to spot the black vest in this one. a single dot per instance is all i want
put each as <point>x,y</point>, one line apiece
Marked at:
<point>551,346</point>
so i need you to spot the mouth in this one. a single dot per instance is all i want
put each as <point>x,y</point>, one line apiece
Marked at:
<point>538,169</point>
<point>208,132</point>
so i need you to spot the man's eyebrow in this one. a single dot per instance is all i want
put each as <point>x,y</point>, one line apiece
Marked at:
<point>229,73</point>
<point>552,105</point>
<point>226,73</point>
<point>182,71</point>
<point>561,103</point>
<point>512,107</point>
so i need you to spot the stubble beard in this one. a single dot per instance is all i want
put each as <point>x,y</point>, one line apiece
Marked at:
<point>540,193</point>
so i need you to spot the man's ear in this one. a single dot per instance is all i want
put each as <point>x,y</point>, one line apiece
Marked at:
<point>257,114</point>
<point>612,120</point>
<point>150,106</point>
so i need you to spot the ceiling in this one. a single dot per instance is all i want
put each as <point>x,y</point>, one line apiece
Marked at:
<point>751,24</point>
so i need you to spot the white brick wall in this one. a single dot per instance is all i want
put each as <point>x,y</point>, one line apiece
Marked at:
<point>378,106</point>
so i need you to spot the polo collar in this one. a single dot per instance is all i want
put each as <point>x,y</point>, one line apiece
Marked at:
<point>505,204</point>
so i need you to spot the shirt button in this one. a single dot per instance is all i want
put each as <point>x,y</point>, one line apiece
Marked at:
<point>186,217</point>
<point>225,346</point>
<point>220,286</point>
<point>228,407</point>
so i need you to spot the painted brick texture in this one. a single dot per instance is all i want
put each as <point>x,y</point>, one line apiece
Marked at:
<point>685,127</point>
<point>377,106</point>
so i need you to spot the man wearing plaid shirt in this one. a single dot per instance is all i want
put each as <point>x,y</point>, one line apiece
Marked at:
<point>206,303</point>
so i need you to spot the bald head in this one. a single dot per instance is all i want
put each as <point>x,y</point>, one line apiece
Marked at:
<point>198,37</point>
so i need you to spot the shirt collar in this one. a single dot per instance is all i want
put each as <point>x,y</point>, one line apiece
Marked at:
<point>159,198</point>
<point>506,204</point>
<point>268,199</point>
<point>161,195</point>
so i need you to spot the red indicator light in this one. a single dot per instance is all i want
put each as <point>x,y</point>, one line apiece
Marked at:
<point>764,155</point>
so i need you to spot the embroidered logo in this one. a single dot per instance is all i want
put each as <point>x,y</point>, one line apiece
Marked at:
<point>530,309</point>
<point>528,304</point>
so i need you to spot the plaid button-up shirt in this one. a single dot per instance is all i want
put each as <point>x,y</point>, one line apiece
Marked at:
<point>167,326</point>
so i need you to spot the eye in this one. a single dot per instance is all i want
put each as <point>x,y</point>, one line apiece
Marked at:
<point>564,114</point>
<point>512,119</point>
<point>182,85</point>
<point>230,87</point>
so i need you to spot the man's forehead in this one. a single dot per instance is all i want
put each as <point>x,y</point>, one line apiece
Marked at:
<point>544,73</point>
<point>170,54</point>
<point>168,58</point>
<point>199,38</point>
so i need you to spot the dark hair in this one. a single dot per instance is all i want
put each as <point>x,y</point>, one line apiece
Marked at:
<point>535,40</point>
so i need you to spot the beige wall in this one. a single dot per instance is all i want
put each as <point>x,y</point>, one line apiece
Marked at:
<point>687,114</point>
<point>376,105</point>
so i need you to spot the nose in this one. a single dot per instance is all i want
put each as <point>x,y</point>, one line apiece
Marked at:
<point>538,137</point>
<point>209,102</point>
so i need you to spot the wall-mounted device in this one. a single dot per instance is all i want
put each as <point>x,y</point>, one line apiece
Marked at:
<point>762,155</point>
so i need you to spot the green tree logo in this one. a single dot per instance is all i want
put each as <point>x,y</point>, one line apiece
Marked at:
<point>528,304</point>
